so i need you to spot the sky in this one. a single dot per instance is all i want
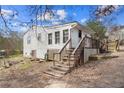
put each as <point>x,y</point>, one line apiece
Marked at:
<point>66,13</point>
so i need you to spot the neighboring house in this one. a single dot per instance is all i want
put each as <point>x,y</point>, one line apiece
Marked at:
<point>2,53</point>
<point>49,40</point>
<point>117,33</point>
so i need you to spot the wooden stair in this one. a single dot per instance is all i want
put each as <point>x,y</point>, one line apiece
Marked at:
<point>69,58</point>
<point>61,68</point>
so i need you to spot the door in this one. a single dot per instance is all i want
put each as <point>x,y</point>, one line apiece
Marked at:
<point>33,53</point>
<point>82,57</point>
<point>75,37</point>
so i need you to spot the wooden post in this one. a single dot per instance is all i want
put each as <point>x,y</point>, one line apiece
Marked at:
<point>53,59</point>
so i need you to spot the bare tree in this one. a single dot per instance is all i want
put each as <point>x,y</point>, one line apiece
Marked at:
<point>9,39</point>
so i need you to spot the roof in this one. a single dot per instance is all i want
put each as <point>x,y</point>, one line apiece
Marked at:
<point>73,24</point>
<point>117,28</point>
<point>86,29</point>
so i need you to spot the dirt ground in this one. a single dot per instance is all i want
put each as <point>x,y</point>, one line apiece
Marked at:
<point>97,74</point>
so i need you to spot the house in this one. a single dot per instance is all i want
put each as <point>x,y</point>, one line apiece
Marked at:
<point>117,33</point>
<point>48,41</point>
<point>2,53</point>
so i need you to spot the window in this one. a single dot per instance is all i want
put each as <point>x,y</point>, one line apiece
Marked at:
<point>50,38</point>
<point>80,34</point>
<point>65,35</point>
<point>39,37</point>
<point>57,37</point>
<point>28,39</point>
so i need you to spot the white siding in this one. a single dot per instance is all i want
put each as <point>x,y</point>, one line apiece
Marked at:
<point>28,47</point>
<point>39,46</point>
<point>42,46</point>
<point>88,52</point>
<point>53,45</point>
<point>74,37</point>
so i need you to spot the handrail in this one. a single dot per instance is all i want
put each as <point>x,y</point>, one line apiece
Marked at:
<point>64,46</point>
<point>67,42</point>
<point>78,45</point>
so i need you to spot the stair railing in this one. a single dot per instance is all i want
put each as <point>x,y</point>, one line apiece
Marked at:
<point>61,51</point>
<point>79,45</point>
<point>77,51</point>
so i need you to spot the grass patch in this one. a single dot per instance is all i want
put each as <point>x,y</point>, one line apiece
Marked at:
<point>94,58</point>
<point>25,66</point>
<point>17,55</point>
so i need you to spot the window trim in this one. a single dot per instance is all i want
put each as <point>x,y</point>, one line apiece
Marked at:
<point>39,37</point>
<point>49,39</point>
<point>65,35</point>
<point>57,39</point>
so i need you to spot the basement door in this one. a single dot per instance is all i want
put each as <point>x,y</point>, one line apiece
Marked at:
<point>33,53</point>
